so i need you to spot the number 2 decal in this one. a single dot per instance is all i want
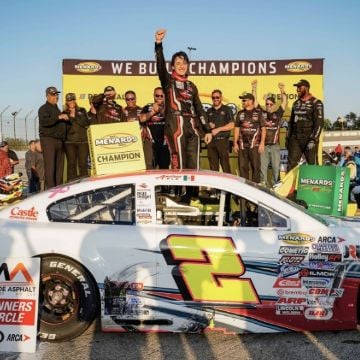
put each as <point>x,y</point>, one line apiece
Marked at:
<point>208,269</point>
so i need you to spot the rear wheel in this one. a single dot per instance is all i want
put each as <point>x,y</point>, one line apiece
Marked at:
<point>68,299</point>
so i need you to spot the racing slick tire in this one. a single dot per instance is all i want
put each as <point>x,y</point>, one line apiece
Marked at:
<point>68,299</point>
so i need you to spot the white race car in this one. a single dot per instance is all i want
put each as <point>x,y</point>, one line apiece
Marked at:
<point>184,251</point>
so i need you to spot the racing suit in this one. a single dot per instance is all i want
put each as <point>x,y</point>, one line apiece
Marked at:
<point>185,120</point>
<point>305,125</point>
<point>155,147</point>
<point>107,110</point>
<point>272,147</point>
<point>250,123</point>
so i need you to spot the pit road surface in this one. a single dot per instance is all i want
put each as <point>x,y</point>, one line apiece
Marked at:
<point>212,345</point>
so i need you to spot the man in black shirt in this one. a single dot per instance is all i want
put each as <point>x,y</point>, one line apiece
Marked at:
<point>52,131</point>
<point>221,123</point>
<point>305,126</point>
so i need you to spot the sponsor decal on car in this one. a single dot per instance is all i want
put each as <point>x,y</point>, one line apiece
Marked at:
<point>326,248</point>
<point>289,310</point>
<point>292,300</point>
<point>291,292</point>
<point>325,257</point>
<point>287,283</point>
<point>309,282</point>
<point>323,301</point>
<point>294,250</point>
<point>316,273</point>
<point>335,292</point>
<point>296,238</point>
<point>24,214</point>
<point>288,270</point>
<point>318,313</point>
<point>288,259</point>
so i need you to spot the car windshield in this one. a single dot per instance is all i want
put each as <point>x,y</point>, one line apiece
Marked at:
<point>292,203</point>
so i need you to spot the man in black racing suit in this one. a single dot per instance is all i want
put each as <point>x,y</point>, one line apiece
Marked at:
<point>185,120</point>
<point>305,125</point>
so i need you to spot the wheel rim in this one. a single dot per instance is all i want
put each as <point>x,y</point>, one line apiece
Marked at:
<point>60,299</point>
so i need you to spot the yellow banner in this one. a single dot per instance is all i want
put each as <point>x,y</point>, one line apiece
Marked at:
<point>115,148</point>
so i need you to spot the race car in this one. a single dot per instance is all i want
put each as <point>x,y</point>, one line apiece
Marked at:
<point>184,251</point>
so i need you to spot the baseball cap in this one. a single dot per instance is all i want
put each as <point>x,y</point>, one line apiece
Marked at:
<point>3,143</point>
<point>109,88</point>
<point>70,96</point>
<point>271,97</point>
<point>52,90</point>
<point>303,82</point>
<point>247,96</point>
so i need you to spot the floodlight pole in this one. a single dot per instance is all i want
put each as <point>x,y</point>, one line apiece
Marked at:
<point>14,114</point>
<point>1,122</point>
<point>26,133</point>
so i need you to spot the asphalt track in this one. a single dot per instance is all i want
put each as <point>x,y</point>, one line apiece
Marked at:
<point>213,345</point>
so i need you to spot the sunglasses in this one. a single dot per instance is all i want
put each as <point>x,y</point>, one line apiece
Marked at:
<point>130,99</point>
<point>159,95</point>
<point>244,100</point>
<point>215,97</point>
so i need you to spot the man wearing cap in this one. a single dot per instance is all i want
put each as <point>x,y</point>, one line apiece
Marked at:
<point>305,125</point>
<point>104,109</point>
<point>273,122</point>
<point>52,131</point>
<point>249,137</point>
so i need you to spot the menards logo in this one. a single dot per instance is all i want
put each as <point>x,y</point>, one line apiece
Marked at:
<point>298,66</point>
<point>296,238</point>
<point>116,140</point>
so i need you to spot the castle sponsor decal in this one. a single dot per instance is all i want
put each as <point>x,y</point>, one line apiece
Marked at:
<point>24,214</point>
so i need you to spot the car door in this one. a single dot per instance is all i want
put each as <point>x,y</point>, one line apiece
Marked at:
<point>218,252</point>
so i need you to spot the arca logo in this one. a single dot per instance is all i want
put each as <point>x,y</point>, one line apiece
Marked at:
<point>10,276</point>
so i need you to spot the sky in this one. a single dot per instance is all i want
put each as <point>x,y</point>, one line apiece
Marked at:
<point>36,35</point>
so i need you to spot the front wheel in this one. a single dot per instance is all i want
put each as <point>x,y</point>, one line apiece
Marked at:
<point>68,299</point>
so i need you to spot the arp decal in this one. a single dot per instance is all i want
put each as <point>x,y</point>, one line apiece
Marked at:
<point>208,269</point>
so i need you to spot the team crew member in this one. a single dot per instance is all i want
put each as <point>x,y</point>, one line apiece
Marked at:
<point>104,109</point>
<point>185,122</point>
<point>52,130</point>
<point>76,143</point>
<point>305,125</point>
<point>153,120</point>
<point>249,137</point>
<point>131,111</point>
<point>273,121</point>
<point>221,122</point>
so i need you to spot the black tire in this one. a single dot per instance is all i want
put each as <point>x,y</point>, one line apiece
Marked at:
<point>68,299</point>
